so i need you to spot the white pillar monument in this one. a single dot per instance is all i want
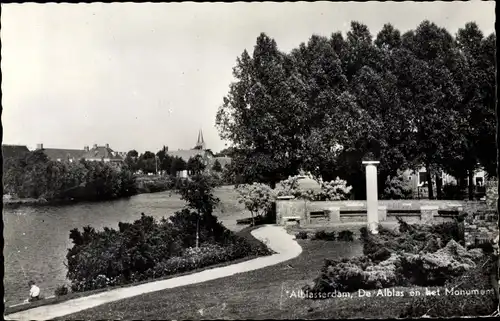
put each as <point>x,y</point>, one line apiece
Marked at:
<point>372,195</point>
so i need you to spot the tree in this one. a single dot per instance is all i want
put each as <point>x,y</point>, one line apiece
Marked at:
<point>147,162</point>
<point>197,192</point>
<point>226,152</point>
<point>258,113</point>
<point>257,198</point>
<point>131,160</point>
<point>164,160</point>
<point>195,165</point>
<point>177,165</point>
<point>388,38</point>
<point>217,166</point>
<point>428,88</point>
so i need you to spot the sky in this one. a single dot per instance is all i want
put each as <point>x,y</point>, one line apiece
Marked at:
<point>140,76</point>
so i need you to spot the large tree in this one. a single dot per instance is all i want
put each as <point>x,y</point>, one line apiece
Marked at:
<point>428,87</point>
<point>409,100</point>
<point>261,113</point>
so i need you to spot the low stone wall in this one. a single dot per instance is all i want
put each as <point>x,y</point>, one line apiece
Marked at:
<point>482,225</point>
<point>331,212</point>
<point>492,194</point>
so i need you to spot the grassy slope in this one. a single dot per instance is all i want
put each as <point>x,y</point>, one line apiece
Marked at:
<point>258,294</point>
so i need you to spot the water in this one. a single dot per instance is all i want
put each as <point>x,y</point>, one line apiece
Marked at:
<point>37,238</point>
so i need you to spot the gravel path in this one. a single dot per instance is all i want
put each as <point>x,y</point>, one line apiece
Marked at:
<point>275,237</point>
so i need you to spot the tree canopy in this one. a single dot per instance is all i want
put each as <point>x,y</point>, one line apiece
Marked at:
<point>422,98</point>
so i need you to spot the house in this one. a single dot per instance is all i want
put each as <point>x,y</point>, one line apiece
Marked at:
<point>419,179</point>
<point>62,154</point>
<point>102,153</point>
<point>14,151</point>
<point>97,153</point>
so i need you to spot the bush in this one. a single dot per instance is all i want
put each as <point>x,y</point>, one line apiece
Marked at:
<point>397,187</point>
<point>434,269</point>
<point>453,192</point>
<point>61,290</point>
<point>346,236</point>
<point>302,235</point>
<point>380,255</point>
<point>481,278</point>
<point>147,248</point>
<point>413,238</point>
<point>258,198</point>
<point>349,275</point>
<point>412,256</point>
<point>323,235</point>
<point>329,190</point>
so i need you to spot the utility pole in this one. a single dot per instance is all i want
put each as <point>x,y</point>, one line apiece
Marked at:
<point>156,164</point>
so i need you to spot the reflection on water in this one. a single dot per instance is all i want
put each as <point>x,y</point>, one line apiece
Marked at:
<point>37,238</point>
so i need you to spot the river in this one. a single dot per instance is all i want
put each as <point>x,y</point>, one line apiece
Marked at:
<point>37,238</point>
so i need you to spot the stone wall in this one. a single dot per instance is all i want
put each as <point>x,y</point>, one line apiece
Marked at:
<point>355,211</point>
<point>491,194</point>
<point>482,225</point>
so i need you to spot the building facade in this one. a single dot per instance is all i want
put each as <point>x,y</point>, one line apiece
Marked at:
<point>419,180</point>
<point>96,153</point>
<point>200,150</point>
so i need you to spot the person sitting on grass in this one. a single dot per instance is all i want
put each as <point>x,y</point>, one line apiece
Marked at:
<point>34,292</point>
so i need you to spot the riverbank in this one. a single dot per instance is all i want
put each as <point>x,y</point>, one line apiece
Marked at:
<point>144,185</point>
<point>274,237</point>
<point>43,260</point>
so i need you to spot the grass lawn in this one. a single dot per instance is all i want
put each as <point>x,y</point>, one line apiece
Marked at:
<point>258,294</point>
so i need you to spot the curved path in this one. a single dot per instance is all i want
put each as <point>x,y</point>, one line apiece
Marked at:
<point>275,237</point>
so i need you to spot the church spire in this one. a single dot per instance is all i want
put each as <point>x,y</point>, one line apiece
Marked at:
<point>200,144</point>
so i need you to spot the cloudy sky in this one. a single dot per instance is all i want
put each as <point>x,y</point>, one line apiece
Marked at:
<point>139,76</point>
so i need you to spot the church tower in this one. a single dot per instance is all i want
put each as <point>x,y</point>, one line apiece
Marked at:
<point>200,144</point>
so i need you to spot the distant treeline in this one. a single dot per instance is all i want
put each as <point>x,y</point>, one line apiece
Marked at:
<point>35,176</point>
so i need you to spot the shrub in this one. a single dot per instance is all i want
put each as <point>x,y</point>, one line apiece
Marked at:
<point>329,190</point>
<point>302,235</point>
<point>381,255</point>
<point>346,236</point>
<point>480,278</point>
<point>453,192</point>
<point>397,187</point>
<point>323,235</point>
<point>61,290</point>
<point>434,269</point>
<point>349,275</point>
<point>148,248</point>
<point>258,198</point>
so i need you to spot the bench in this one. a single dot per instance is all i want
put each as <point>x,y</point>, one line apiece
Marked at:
<point>287,219</point>
<point>319,214</point>
<point>405,212</point>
